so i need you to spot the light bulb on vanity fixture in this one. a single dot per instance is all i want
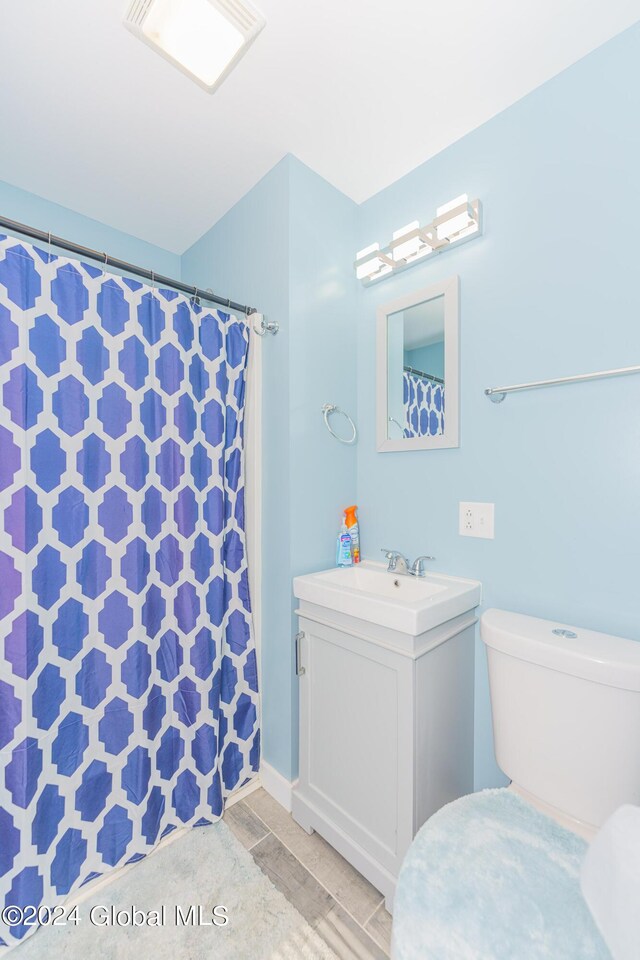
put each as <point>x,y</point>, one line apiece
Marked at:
<point>455,222</point>
<point>371,264</point>
<point>409,244</point>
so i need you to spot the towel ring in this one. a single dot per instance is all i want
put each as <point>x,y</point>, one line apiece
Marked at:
<point>398,425</point>
<point>327,410</point>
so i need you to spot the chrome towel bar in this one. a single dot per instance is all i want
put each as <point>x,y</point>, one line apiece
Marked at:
<point>497,394</point>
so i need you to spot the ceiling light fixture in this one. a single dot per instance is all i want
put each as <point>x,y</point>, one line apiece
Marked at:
<point>455,222</point>
<point>203,38</point>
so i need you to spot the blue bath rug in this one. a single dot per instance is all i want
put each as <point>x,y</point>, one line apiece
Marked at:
<point>488,877</point>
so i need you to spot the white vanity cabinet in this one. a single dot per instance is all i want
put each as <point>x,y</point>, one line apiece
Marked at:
<point>386,730</point>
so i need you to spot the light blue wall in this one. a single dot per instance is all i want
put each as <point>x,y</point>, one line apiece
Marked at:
<point>428,359</point>
<point>322,368</point>
<point>286,248</point>
<point>34,211</point>
<point>551,289</point>
<point>247,254</point>
<point>322,365</point>
<point>548,290</point>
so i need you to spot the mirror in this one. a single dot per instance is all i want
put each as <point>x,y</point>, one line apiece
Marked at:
<point>417,363</point>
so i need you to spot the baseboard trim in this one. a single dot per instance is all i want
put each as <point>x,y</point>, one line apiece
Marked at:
<point>242,792</point>
<point>276,785</point>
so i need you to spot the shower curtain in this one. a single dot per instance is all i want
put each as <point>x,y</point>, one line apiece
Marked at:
<point>128,679</point>
<point>423,406</point>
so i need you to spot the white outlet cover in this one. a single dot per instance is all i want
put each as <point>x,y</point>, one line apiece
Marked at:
<point>476,520</point>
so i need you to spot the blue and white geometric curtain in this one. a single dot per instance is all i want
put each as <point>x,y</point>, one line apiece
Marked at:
<point>423,406</point>
<point>128,677</point>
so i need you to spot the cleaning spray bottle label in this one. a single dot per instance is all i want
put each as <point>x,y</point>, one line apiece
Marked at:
<point>351,523</point>
<point>344,558</point>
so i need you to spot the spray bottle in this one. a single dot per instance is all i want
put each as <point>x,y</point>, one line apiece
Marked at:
<point>351,523</point>
<point>344,548</point>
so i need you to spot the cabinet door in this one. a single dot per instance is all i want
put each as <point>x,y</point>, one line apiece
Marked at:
<point>355,765</point>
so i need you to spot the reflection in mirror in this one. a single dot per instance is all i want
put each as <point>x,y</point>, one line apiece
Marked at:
<point>416,371</point>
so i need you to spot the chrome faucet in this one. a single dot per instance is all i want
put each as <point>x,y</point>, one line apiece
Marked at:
<point>418,570</point>
<point>398,563</point>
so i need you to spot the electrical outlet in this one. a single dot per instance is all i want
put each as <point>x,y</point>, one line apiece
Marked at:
<point>477,520</point>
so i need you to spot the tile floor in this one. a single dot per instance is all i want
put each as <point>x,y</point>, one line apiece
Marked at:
<point>344,909</point>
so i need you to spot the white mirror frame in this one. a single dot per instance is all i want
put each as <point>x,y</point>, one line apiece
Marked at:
<point>450,290</point>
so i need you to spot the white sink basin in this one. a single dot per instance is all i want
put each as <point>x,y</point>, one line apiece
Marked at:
<point>408,604</point>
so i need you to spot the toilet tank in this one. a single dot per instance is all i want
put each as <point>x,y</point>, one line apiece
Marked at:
<point>566,713</point>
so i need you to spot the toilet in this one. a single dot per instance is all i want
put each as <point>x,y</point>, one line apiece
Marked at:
<point>566,716</point>
<point>496,873</point>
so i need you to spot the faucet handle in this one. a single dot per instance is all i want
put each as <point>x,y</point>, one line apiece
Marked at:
<point>418,566</point>
<point>392,556</point>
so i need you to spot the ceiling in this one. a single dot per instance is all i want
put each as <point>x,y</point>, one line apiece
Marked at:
<point>362,91</point>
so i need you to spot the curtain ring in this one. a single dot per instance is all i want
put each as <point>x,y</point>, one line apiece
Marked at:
<point>49,250</point>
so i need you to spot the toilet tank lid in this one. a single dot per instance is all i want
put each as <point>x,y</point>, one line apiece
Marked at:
<point>600,657</point>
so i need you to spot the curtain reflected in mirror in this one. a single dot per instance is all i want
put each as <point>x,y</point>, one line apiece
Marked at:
<point>416,371</point>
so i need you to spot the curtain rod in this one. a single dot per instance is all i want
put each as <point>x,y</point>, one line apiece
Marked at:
<point>78,250</point>
<point>421,373</point>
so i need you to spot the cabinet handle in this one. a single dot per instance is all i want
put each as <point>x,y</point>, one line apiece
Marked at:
<point>299,670</point>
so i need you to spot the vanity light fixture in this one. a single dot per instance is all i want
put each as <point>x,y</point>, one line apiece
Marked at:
<point>371,264</point>
<point>455,222</point>
<point>409,244</point>
<point>203,38</point>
